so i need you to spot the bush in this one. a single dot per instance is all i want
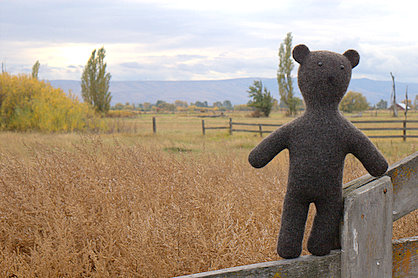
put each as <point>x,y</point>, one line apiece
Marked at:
<point>121,114</point>
<point>29,104</point>
<point>354,102</point>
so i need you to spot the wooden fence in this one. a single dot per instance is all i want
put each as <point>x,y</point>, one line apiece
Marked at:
<point>260,128</point>
<point>371,205</point>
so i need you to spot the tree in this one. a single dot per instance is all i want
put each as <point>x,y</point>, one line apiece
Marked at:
<point>118,106</point>
<point>95,82</point>
<point>30,104</point>
<point>393,97</point>
<point>227,104</point>
<point>261,100</point>
<point>217,104</point>
<point>147,106</point>
<point>416,102</point>
<point>382,104</point>
<point>354,102</point>
<point>284,78</point>
<point>180,103</point>
<point>35,69</point>
<point>201,104</point>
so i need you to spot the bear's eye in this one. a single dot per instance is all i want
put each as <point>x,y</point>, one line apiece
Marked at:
<point>342,67</point>
<point>320,64</point>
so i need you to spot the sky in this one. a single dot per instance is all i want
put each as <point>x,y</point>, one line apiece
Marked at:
<point>204,40</point>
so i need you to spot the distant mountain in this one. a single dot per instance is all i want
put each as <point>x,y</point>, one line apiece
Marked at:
<point>234,90</point>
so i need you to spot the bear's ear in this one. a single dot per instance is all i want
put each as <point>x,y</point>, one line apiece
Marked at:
<point>300,52</point>
<point>353,57</point>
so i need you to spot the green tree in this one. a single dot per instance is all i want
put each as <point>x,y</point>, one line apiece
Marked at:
<point>95,82</point>
<point>217,104</point>
<point>35,69</point>
<point>284,78</point>
<point>201,104</point>
<point>354,102</point>
<point>261,99</point>
<point>382,104</point>
<point>118,106</point>
<point>227,104</point>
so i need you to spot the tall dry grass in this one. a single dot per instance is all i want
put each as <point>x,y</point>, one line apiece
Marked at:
<point>111,210</point>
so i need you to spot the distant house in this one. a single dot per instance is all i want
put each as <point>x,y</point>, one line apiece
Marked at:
<point>402,106</point>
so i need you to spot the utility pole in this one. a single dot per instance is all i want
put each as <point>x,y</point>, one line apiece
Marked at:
<point>393,97</point>
<point>406,100</point>
<point>406,113</point>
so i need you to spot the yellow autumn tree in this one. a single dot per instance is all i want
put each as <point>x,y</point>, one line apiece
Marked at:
<point>29,104</point>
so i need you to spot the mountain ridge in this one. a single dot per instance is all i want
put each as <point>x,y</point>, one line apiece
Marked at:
<point>234,90</point>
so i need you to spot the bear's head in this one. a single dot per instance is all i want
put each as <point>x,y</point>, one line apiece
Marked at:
<point>323,76</point>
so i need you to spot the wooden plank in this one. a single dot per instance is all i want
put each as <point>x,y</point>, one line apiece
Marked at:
<point>377,122</point>
<point>272,125</point>
<point>305,266</point>
<point>404,175</point>
<point>367,231</point>
<point>245,130</point>
<point>357,183</point>
<point>387,128</point>
<point>248,130</point>
<point>383,121</point>
<point>217,127</point>
<point>248,124</point>
<point>251,124</point>
<point>405,257</point>
<point>386,136</point>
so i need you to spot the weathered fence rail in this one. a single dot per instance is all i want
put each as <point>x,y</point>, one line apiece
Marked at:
<point>404,128</point>
<point>371,205</point>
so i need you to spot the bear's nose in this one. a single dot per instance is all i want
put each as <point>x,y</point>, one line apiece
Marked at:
<point>331,79</point>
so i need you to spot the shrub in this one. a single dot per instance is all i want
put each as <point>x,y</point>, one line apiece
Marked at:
<point>29,104</point>
<point>121,114</point>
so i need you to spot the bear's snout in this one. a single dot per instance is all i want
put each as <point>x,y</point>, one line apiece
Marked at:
<point>331,79</point>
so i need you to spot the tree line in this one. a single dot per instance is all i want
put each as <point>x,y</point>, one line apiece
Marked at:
<point>39,105</point>
<point>180,106</point>
<point>262,101</point>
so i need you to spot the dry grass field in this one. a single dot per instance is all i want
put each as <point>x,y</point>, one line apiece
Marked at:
<point>144,205</point>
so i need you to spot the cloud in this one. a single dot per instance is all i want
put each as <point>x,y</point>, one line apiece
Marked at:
<point>175,40</point>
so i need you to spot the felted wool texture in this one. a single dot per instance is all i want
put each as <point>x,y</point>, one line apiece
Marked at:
<point>318,142</point>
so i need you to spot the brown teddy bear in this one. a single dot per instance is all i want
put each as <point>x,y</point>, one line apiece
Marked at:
<point>318,142</point>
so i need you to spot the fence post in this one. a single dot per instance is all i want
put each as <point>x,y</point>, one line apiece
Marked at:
<point>404,129</point>
<point>260,128</point>
<point>154,125</point>
<point>203,127</point>
<point>367,231</point>
<point>230,126</point>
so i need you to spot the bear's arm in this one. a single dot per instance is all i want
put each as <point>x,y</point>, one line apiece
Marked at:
<point>371,158</point>
<point>264,152</point>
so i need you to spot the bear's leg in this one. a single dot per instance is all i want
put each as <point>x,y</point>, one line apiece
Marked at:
<point>294,216</point>
<point>324,234</point>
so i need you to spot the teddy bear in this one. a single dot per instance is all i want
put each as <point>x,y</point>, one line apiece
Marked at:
<point>318,142</point>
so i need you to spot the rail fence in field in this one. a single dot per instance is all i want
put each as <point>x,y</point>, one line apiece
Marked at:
<point>371,205</point>
<point>260,128</point>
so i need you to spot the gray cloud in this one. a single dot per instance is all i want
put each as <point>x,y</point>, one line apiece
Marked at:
<point>180,43</point>
<point>110,22</point>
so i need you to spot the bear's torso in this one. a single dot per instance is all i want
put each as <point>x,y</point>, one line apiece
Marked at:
<point>317,147</point>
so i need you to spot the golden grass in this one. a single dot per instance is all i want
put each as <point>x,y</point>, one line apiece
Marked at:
<point>144,205</point>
